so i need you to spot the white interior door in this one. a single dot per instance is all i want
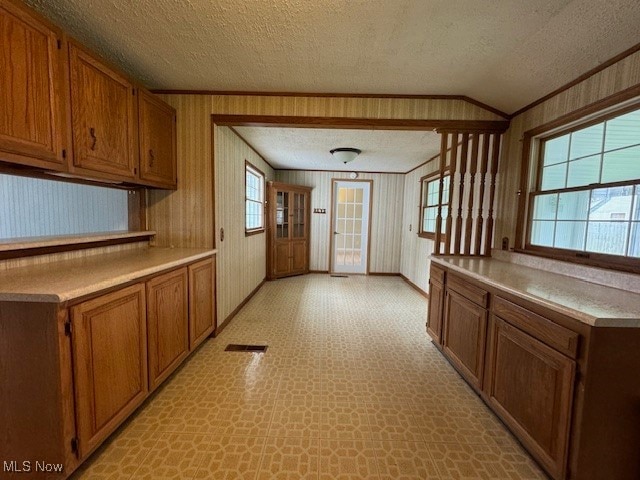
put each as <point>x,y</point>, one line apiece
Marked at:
<point>350,227</point>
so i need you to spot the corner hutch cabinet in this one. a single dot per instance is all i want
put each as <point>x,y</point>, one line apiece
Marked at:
<point>288,223</point>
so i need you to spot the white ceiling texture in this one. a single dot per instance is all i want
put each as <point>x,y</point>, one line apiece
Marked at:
<point>506,53</point>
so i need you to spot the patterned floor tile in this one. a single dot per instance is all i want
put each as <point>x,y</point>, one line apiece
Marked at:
<point>174,456</point>
<point>405,461</point>
<point>344,421</point>
<point>290,459</point>
<point>231,458</point>
<point>348,460</point>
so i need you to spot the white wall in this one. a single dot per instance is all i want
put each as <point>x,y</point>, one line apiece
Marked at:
<point>241,259</point>
<point>386,216</point>
<point>414,260</point>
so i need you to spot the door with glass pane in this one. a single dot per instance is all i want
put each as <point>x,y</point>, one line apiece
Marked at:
<point>350,229</point>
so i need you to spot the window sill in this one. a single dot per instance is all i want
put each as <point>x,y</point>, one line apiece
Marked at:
<point>249,233</point>
<point>28,246</point>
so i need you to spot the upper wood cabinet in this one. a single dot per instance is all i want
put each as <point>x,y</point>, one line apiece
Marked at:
<point>288,225</point>
<point>110,362</point>
<point>103,117</point>
<point>157,141</point>
<point>32,120</point>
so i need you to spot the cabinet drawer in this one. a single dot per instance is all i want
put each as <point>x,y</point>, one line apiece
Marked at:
<point>470,292</point>
<point>562,339</point>
<point>436,274</point>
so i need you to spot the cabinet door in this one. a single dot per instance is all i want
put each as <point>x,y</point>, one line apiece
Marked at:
<point>202,306</point>
<point>103,118</point>
<point>298,256</point>
<point>531,389</point>
<point>31,114</point>
<point>465,330</point>
<point>167,324</point>
<point>157,141</point>
<point>110,362</point>
<point>281,260</point>
<point>434,319</point>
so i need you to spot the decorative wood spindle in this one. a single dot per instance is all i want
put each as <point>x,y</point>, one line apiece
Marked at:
<point>486,137</point>
<point>473,167</point>
<point>463,172</point>
<point>453,162</point>
<point>443,161</point>
<point>492,190</point>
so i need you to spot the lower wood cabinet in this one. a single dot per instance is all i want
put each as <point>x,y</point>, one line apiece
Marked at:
<point>109,336</point>
<point>464,335</point>
<point>530,387</point>
<point>434,315</point>
<point>167,323</point>
<point>202,311</point>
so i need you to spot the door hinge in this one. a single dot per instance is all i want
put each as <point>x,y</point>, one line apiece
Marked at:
<point>74,445</point>
<point>67,328</point>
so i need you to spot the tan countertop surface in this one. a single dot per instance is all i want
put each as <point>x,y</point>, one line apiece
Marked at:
<point>589,303</point>
<point>65,280</point>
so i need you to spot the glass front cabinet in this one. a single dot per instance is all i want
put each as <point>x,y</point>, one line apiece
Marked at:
<point>288,223</point>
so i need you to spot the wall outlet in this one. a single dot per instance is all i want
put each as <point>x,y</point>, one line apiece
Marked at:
<point>505,243</point>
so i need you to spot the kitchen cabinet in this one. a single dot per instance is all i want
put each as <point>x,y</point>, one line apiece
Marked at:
<point>110,362</point>
<point>464,334</point>
<point>288,220</point>
<point>531,389</point>
<point>436,304</point>
<point>565,387</point>
<point>33,121</point>
<point>157,141</point>
<point>103,117</point>
<point>202,291</point>
<point>167,324</point>
<point>85,340</point>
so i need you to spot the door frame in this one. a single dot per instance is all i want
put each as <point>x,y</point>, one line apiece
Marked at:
<point>333,196</point>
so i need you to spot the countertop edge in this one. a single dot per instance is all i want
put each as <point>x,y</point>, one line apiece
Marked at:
<point>107,284</point>
<point>599,322</point>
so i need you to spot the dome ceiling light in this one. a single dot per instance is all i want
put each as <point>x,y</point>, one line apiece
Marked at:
<point>345,155</point>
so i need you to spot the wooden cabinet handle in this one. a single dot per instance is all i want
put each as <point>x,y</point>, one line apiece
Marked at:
<point>151,158</point>
<point>94,139</point>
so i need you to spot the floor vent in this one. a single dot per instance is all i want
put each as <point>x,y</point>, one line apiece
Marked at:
<point>339,276</point>
<point>233,347</point>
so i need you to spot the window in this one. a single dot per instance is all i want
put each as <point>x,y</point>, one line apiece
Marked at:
<point>587,196</point>
<point>254,200</point>
<point>429,202</point>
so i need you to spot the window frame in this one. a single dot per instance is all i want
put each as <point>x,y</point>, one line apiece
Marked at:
<point>425,180</point>
<point>250,168</point>
<point>531,181</point>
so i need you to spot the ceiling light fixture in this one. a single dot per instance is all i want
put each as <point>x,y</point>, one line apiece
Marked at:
<point>345,155</point>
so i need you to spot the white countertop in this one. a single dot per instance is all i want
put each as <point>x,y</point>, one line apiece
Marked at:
<point>65,280</point>
<point>589,303</point>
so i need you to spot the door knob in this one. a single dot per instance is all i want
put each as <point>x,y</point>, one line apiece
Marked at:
<point>336,233</point>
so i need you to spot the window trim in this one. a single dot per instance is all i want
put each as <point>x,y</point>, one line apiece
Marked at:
<point>531,177</point>
<point>254,231</point>
<point>428,178</point>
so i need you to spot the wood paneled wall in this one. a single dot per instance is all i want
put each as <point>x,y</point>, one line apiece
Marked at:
<point>616,78</point>
<point>184,218</point>
<point>241,264</point>
<point>386,216</point>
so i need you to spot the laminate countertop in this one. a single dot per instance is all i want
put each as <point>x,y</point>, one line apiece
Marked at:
<point>66,280</point>
<point>590,303</point>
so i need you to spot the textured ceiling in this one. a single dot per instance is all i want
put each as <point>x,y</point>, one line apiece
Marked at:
<point>308,148</point>
<point>506,53</point>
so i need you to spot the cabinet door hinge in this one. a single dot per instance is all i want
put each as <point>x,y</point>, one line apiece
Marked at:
<point>74,445</point>
<point>67,328</point>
